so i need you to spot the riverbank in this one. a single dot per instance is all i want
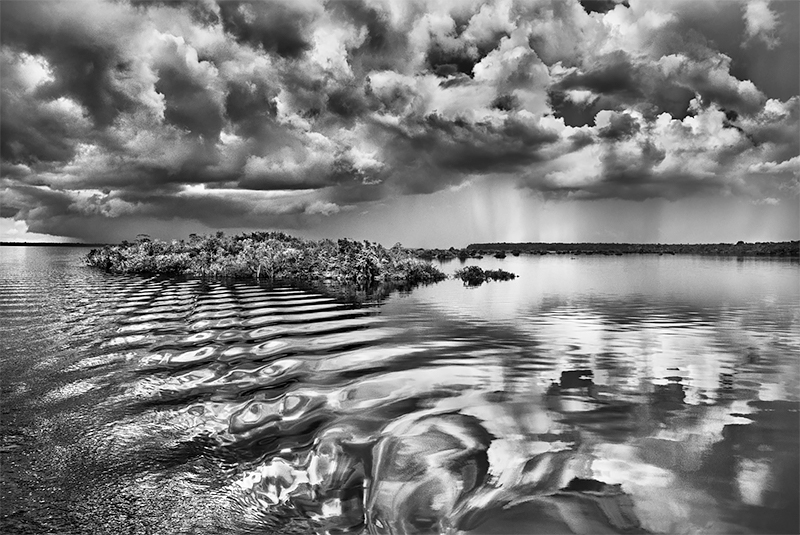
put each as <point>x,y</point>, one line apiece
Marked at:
<point>267,255</point>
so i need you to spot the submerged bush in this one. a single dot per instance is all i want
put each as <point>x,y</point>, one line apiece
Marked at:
<point>475,276</point>
<point>267,255</point>
<point>471,275</point>
<point>499,275</point>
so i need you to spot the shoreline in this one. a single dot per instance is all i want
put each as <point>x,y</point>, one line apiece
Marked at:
<point>786,249</point>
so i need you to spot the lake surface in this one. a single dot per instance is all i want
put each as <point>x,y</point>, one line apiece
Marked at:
<point>636,394</point>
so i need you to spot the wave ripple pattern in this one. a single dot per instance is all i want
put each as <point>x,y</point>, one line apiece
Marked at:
<point>152,405</point>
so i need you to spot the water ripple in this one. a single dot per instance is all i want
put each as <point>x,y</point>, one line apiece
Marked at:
<point>189,406</point>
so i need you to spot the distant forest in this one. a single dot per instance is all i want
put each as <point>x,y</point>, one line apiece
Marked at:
<point>786,248</point>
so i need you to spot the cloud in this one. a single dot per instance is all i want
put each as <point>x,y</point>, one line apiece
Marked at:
<point>117,110</point>
<point>772,201</point>
<point>627,156</point>
<point>194,95</point>
<point>792,166</point>
<point>86,46</point>
<point>617,126</point>
<point>760,22</point>
<point>278,27</point>
<point>602,6</point>
<point>322,207</point>
<point>32,132</point>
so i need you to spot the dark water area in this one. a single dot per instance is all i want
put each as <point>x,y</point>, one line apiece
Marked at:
<point>637,394</point>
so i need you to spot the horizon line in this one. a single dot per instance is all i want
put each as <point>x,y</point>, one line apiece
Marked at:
<point>504,243</point>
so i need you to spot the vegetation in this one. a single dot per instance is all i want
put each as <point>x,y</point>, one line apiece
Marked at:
<point>278,256</point>
<point>267,255</point>
<point>475,276</point>
<point>779,249</point>
<point>500,250</point>
<point>442,254</point>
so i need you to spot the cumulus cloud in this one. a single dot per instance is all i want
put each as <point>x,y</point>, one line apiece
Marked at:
<point>760,22</point>
<point>630,157</point>
<point>285,112</point>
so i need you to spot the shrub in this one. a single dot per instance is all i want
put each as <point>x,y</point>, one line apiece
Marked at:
<point>471,275</point>
<point>475,275</point>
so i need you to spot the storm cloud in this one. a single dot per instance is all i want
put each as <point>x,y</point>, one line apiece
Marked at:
<point>284,112</point>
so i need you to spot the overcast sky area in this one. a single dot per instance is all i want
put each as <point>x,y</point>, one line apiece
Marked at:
<point>430,123</point>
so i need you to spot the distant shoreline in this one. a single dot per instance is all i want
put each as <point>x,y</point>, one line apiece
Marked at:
<point>786,249</point>
<point>50,244</point>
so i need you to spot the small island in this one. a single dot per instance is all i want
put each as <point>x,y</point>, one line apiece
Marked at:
<point>270,256</point>
<point>475,275</point>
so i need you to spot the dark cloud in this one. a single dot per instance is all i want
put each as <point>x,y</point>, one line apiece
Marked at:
<point>30,131</point>
<point>110,216</point>
<point>621,126</point>
<point>8,211</point>
<point>277,27</point>
<point>190,102</point>
<point>197,169</point>
<point>613,74</point>
<point>580,140</point>
<point>617,81</point>
<point>34,134</point>
<point>457,79</point>
<point>385,46</point>
<point>251,107</point>
<point>573,114</point>
<point>347,102</point>
<point>38,204</point>
<point>629,169</point>
<point>309,177</point>
<point>352,193</point>
<point>201,11</point>
<point>85,64</point>
<point>602,6</point>
<point>435,152</point>
<point>444,62</point>
<point>505,103</point>
<point>87,73</point>
<point>777,129</point>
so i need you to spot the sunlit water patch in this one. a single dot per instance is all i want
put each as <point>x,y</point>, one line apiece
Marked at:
<point>597,395</point>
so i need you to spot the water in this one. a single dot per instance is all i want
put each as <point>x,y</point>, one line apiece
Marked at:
<point>591,395</point>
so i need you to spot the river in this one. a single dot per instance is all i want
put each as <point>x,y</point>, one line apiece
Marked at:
<point>635,394</point>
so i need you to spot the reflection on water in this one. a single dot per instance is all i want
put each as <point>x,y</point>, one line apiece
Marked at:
<point>591,395</point>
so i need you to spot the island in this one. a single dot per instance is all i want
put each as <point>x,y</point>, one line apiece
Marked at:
<point>267,255</point>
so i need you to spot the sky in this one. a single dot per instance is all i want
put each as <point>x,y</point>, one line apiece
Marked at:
<point>432,123</point>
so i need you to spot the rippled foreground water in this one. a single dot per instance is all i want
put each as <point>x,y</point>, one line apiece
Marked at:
<point>591,395</point>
